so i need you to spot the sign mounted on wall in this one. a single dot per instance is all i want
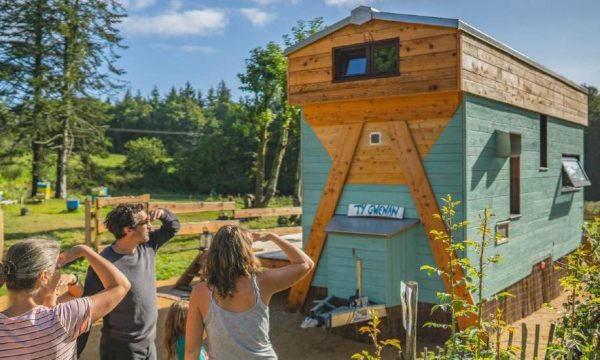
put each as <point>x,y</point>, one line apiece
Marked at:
<point>374,210</point>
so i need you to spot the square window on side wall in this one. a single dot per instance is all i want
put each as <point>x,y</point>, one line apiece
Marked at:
<point>573,174</point>
<point>502,232</point>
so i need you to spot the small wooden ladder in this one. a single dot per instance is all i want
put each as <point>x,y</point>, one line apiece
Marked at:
<point>196,269</point>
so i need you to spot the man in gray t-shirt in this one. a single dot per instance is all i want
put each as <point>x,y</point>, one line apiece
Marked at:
<point>128,332</point>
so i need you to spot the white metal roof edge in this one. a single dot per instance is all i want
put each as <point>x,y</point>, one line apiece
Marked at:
<point>363,14</point>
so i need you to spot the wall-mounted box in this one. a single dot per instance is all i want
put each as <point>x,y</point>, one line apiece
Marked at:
<point>508,144</point>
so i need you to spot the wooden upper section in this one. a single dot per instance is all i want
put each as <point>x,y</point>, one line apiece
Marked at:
<point>488,72</point>
<point>428,63</point>
<point>433,59</point>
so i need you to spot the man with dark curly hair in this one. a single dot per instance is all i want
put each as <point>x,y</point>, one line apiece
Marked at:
<point>128,332</point>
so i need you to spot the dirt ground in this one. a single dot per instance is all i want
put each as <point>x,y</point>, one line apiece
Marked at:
<point>293,343</point>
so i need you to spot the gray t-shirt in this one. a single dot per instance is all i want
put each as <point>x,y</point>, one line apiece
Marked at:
<point>133,321</point>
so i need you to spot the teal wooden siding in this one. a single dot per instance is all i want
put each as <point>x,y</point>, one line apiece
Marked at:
<point>551,221</point>
<point>397,258</point>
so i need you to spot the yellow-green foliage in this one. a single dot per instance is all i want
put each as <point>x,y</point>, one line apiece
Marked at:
<point>372,329</point>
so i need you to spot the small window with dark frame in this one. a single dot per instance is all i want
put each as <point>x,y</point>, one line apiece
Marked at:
<point>573,175</point>
<point>375,59</point>
<point>515,175</point>
<point>543,141</point>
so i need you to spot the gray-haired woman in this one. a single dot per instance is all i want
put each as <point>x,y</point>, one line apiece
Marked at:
<point>31,272</point>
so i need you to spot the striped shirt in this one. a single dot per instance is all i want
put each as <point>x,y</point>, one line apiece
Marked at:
<point>44,333</point>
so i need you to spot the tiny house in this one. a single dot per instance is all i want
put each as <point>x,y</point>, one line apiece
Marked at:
<point>401,110</point>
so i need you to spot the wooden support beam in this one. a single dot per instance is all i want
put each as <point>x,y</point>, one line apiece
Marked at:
<point>427,206</point>
<point>342,161</point>
<point>102,202</point>
<point>265,212</point>
<point>193,207</point>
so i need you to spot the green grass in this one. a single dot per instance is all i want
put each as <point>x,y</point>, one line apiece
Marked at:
<point>592,209</point>
<point>51,219</point>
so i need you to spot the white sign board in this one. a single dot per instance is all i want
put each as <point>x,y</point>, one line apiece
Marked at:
<point>374,210</point>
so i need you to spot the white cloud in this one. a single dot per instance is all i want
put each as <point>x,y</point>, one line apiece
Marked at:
<point>256,16</point>
<point>347,2</point>
<point>193,22</point>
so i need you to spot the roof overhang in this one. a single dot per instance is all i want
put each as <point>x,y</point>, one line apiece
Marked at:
<point>364,14</point>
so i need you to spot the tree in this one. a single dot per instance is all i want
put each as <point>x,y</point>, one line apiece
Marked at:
<point>145,155</point>
<point>265,79</point>
<point>87,40</point>
<point>26,28</point>
<point>592,149</point>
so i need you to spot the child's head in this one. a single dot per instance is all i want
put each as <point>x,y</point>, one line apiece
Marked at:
<point>175,325</point>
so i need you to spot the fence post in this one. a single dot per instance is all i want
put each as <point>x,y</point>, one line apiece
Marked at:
<point>550,340</point>
<point>1,234</point>
<point>537,341</point>
<point>410,324</point>
<point>88,221</point>
<point>523,341</point>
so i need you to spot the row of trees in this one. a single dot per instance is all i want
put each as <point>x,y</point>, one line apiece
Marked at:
<point>58,58</point>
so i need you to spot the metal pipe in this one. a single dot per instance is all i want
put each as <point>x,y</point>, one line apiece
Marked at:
<point>359,277</point>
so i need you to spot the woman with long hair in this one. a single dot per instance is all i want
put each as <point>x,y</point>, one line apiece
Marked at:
<point>33,326</point>
<point>233,304</point>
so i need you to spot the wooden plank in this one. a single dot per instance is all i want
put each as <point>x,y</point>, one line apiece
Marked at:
<point>193,207</point>
<point>266,212</point>
<point>491,73</point>
<point>331,194</point>
<point>372,31</point>
<point>1,234</point>
<point>199,227</point>
<point>102,202</point>
<point>426,205</point>
<point>88,221</point>
<point>286,230</point>
<point>507,62</point>
<point>189,228</point>
<point>438,80</point>
<point>424,107</point>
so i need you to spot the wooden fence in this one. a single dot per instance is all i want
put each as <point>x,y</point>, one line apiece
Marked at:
<point>522,349</point>
<point>1,234</point>
<point>94,215</point>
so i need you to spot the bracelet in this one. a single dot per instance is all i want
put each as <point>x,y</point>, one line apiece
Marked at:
<point>74,283</point>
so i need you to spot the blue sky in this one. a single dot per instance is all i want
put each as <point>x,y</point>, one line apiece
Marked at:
<point>174,41</point>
